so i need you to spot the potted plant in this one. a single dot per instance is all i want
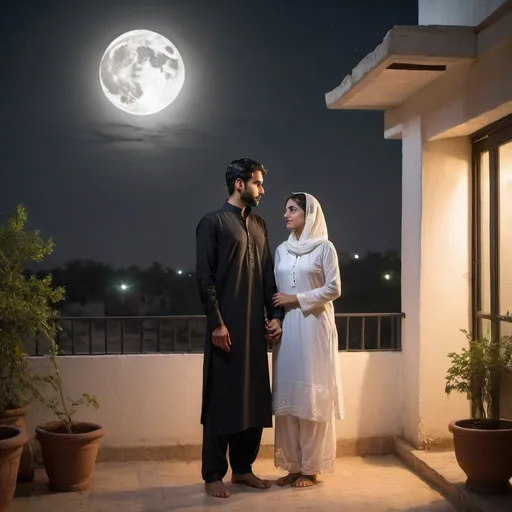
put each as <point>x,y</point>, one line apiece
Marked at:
<point>12,440</point>
<point>25,309</point>
<point>483,443</point>
<point>69,448</point>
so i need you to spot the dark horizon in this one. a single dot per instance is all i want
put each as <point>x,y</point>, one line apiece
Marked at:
<point>126,190</point>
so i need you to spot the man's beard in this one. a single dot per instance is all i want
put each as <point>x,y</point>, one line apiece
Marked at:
<point>249,200</point>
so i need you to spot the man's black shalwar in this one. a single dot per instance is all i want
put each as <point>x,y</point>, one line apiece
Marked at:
<point>236,282</point>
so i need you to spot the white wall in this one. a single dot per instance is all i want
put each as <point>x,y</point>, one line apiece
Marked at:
<point>411,272</point>
<point>435,123</point>
<point>155,400</point>
<point>445,279</point>
<point>435,278</point>
<point>455,12</point>
<point>468,96</point>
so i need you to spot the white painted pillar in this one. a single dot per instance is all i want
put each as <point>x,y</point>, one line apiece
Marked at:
<point>435,279</point>
<point>411,276</point>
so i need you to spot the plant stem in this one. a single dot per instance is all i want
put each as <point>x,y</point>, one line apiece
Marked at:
<point>67,422</point>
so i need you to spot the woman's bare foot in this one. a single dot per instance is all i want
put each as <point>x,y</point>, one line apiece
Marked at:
<point>304,481</point>
<point>289,479</point>
<point>217,489</point>
<point>251,480</point>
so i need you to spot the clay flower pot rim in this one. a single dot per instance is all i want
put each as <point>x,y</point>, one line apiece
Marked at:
<point>454,427</point>
<point>15,413</point>
<point>18,439</point>
<point>46,430</point>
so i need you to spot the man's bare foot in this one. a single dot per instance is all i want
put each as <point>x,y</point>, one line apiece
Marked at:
<point>304,481</point>
<point>217,489</point>
<point>251,480</point>
<point>289,479</point>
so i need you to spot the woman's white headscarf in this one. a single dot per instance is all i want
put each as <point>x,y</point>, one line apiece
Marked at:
<point>315,230</point>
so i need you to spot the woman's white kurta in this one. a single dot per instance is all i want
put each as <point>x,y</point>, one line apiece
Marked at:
<point>306,376</point>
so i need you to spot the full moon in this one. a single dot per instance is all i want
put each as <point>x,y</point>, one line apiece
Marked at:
<point>142,72</point>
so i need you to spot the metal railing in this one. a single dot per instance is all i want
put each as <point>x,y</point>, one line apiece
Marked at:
<point>185,334</point>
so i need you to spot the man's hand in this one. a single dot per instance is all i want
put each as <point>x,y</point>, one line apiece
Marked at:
<point>274,330</point>
<point>221,339</point>
<point>284,300</point>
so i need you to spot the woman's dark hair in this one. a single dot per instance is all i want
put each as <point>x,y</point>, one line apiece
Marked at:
<point>300,199</point>
<point>242,169</point>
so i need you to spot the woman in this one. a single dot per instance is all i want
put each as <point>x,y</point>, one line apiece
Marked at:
<point>306,391</point>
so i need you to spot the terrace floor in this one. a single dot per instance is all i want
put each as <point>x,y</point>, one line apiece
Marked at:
<point>369,484</point>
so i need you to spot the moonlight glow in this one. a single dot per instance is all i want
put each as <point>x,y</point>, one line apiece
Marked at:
<point>142,72</point>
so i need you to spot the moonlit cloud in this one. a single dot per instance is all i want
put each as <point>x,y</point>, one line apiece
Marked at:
<point>175,136</point>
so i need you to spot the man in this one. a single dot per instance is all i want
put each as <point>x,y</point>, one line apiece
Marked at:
<point>236,282</point>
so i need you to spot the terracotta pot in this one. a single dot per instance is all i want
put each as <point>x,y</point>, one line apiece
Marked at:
<point>484,455</point>
<point>69,459</point>
<point>12,440</point>
<point>16,418</point>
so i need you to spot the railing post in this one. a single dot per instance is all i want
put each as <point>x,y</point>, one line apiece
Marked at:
<point>106,335</point>
<point>378,332</point>
<point>90,336</point>
<point>142,336</point>
<point>73,340</point>
<point>189,340</point>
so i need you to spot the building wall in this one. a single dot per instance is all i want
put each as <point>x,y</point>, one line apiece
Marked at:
<point>455,12</point>
<point>435,124</point>
<point>435,278</point>
<point>411,274</point>
<point>445,279</point>
<point>468,96</point>
<point>155,400</point>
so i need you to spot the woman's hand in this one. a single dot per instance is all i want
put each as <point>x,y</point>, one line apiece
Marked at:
<point>280,300</point>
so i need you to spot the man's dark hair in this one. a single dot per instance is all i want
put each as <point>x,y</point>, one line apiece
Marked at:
<point>299,199</point>
<point>242,169</point>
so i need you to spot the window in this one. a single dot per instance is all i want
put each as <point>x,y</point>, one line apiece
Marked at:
<point>492,229</point>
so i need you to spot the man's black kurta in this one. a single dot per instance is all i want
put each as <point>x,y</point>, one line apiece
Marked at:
<point>236,282</point>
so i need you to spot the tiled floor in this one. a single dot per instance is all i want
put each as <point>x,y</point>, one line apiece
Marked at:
<point>370,484</point>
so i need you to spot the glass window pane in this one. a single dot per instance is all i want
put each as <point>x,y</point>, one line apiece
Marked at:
<point>505,329</point>
<point>485,240</point>
<point>505,226</point>
<point>485,328</point>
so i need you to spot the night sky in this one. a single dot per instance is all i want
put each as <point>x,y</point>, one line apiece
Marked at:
<point>129,190</point>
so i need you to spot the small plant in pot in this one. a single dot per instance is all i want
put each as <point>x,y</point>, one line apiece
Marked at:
<point>25,308</point>
<point>483,444</point>
<point>69,448</point>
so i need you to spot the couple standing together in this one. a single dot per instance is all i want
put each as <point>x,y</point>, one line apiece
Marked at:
<point>248,299</point>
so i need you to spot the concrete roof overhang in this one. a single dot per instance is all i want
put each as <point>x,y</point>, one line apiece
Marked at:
<point>407,60</point>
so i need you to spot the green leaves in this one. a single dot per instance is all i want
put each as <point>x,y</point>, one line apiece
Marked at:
<point>26,304</point>
<point>476,372</point>
<point>26,312</point>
